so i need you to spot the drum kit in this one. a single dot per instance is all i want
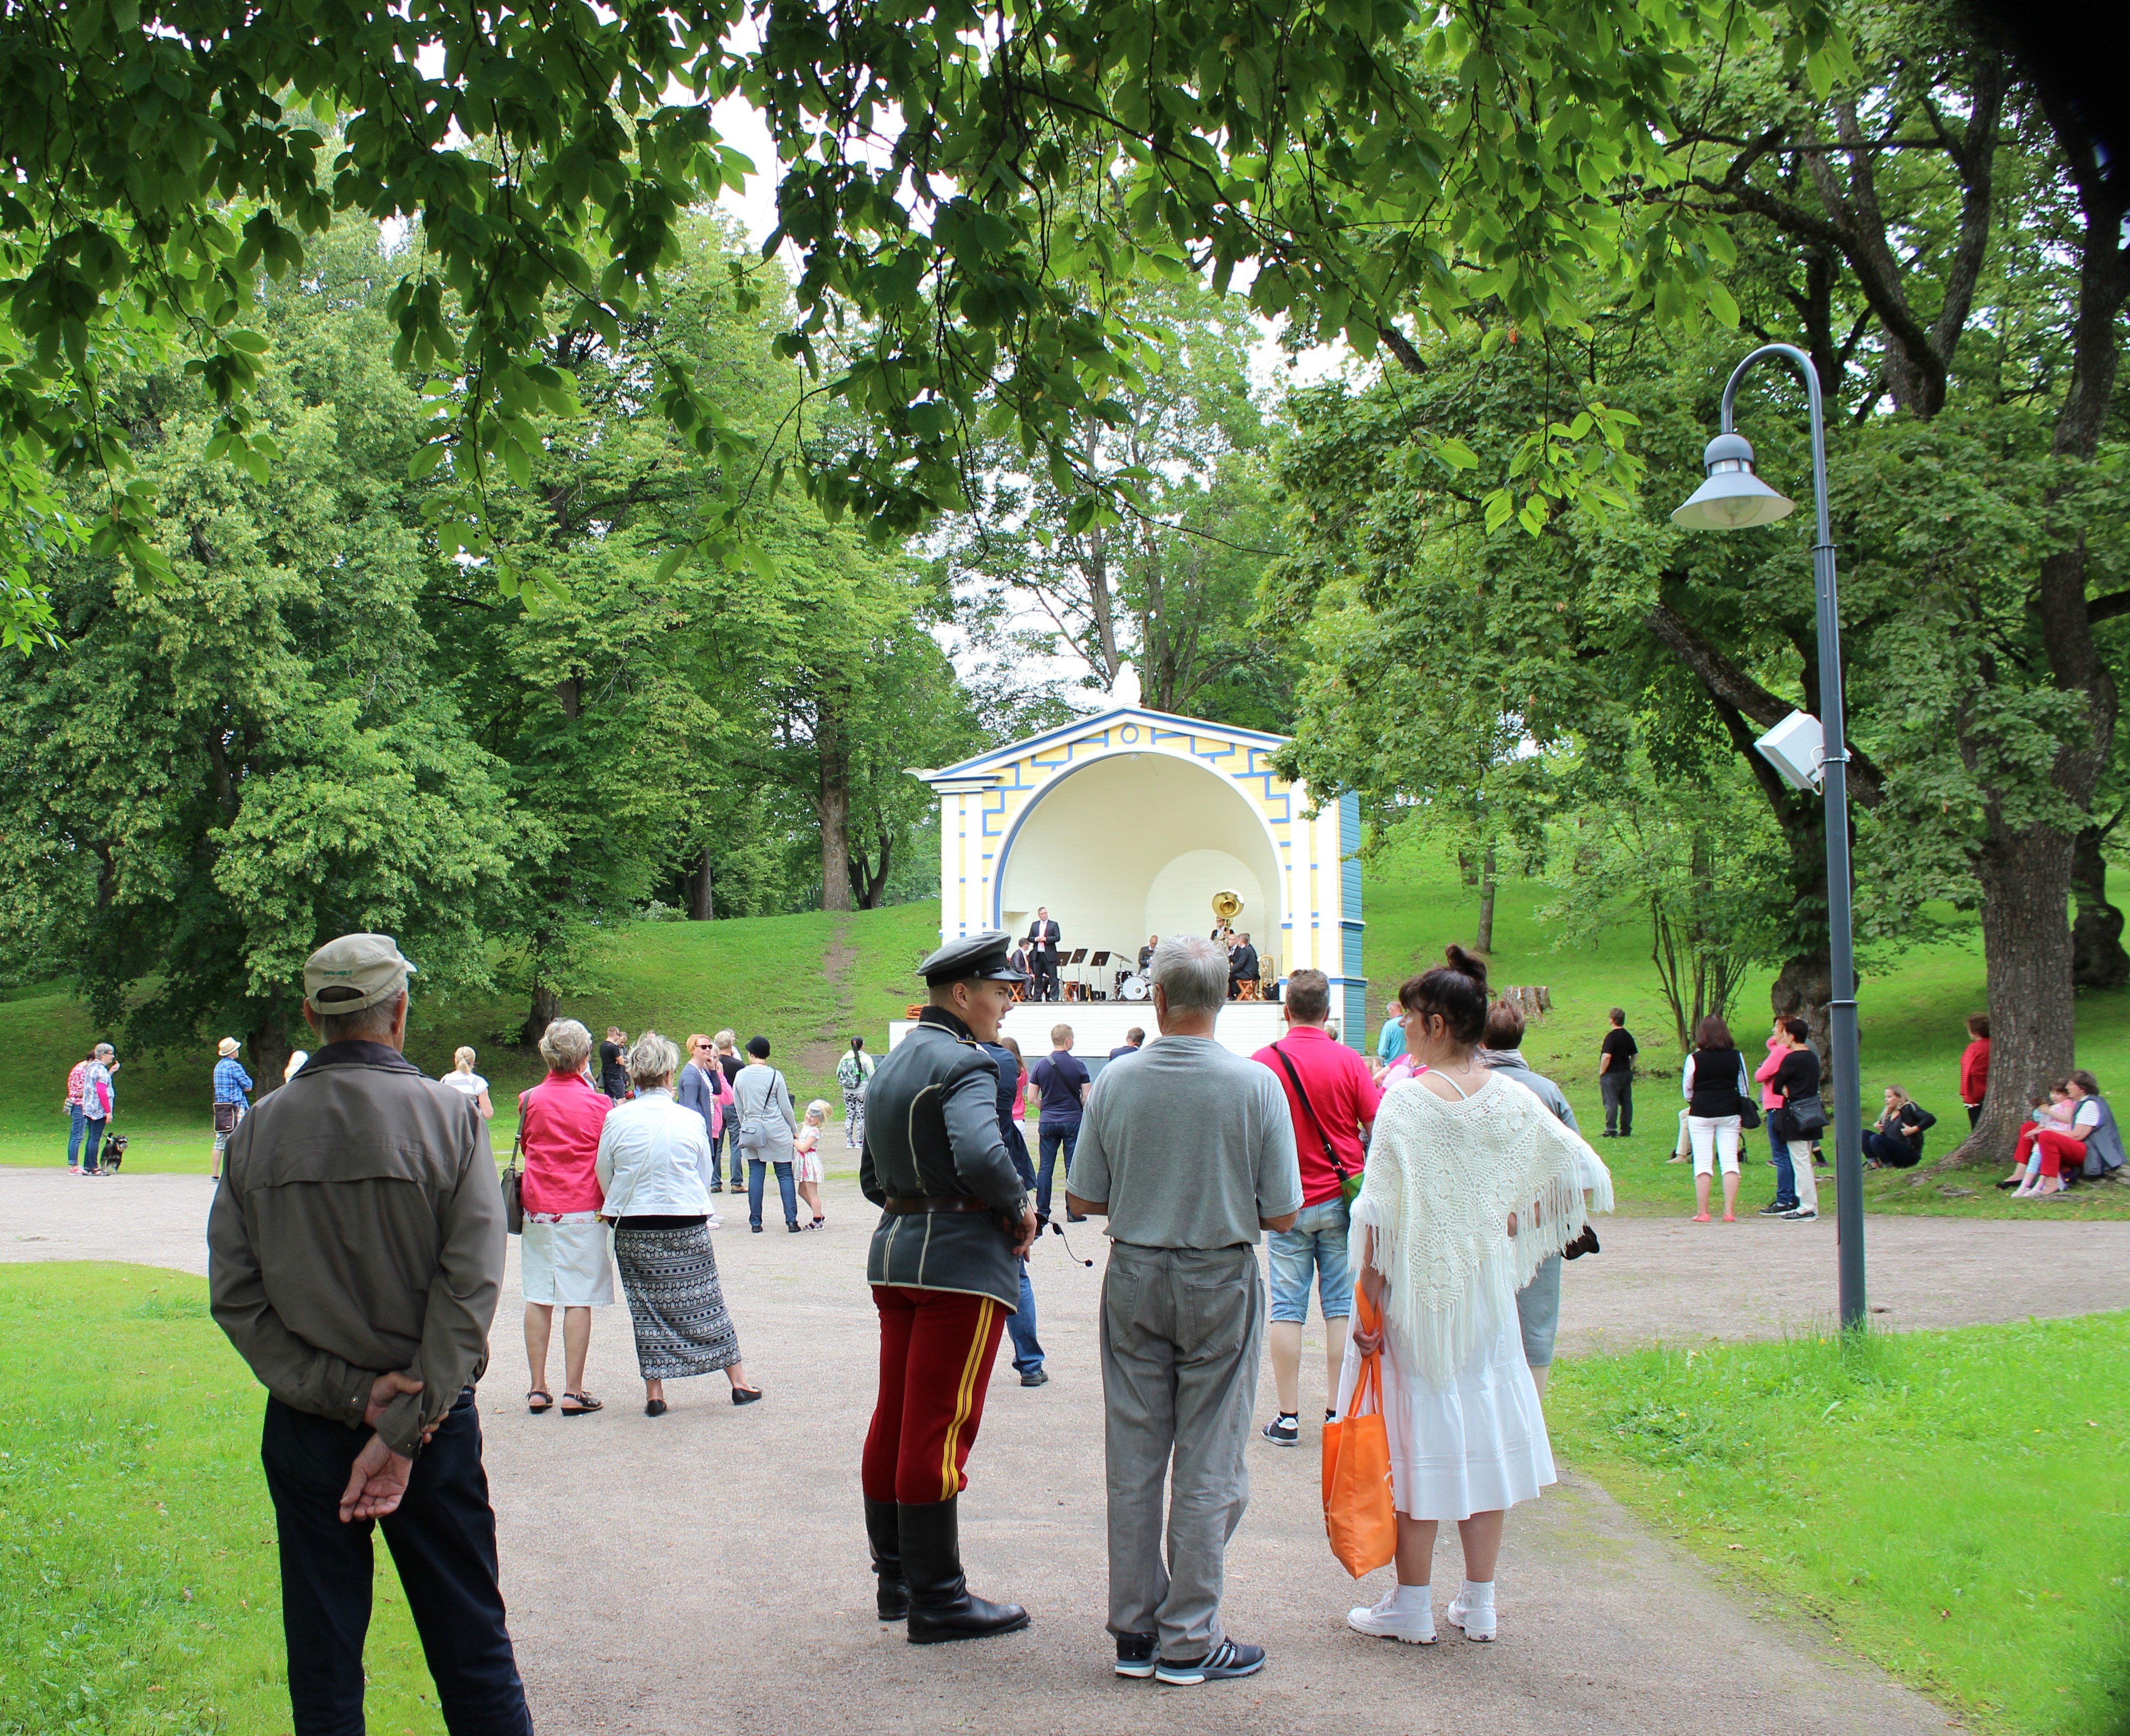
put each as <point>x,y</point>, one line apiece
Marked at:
<point>1136,985</point>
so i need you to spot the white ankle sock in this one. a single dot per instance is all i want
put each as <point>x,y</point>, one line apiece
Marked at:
<point>1409,1599</point>
<point>1478,1593</point>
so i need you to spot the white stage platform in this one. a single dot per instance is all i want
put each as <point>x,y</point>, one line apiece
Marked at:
<point>1098,1026</point>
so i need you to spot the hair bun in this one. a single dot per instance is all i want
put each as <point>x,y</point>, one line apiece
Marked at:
<point>1465,964</point>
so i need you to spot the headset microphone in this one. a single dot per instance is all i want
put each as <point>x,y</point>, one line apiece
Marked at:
<point>1058,1229</point>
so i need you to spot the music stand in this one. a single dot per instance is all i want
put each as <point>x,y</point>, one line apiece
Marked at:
<point>1095,962</point>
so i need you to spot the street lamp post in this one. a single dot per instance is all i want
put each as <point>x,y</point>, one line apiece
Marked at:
<point>1734,498</point>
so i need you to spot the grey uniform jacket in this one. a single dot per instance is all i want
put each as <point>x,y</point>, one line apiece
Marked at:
<point>932,1130</point>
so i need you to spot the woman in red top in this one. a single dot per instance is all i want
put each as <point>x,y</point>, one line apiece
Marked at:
<point>1975,1066</point>
<point>564,1262</point>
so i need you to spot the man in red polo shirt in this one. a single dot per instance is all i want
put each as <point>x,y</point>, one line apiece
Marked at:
<point>1333,1102</point>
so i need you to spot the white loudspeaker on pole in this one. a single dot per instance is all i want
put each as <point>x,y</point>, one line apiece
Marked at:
<point>1793,748</point>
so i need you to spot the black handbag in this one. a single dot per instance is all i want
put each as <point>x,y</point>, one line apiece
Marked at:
<point>1808,1116</point>
<point>513,1188</point>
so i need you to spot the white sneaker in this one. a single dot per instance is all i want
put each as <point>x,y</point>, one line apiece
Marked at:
<point>1478,1624</point>
<point>1414,1627</point>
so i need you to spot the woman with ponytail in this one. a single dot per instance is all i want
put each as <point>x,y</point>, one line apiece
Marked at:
<point>1471,1186</point>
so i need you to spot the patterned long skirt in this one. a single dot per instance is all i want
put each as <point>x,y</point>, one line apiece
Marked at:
<point>854,1116</point>
<point>671,1278</point>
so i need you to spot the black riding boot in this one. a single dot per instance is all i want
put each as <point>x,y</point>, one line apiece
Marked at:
<point>883,1532</point>
<point>941,1607</point>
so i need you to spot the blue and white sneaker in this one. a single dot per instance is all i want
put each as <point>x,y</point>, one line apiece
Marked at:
<point>1224,1662</point>
<point>1283,1431</point>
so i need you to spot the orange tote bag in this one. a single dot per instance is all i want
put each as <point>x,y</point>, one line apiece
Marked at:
<point>1359,1514</point>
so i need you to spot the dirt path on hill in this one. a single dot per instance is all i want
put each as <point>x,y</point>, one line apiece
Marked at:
<point>704,1571</point>
<point>819,1057</point>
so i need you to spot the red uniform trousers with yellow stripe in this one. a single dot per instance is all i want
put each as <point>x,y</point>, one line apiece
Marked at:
<point>936,1348</point>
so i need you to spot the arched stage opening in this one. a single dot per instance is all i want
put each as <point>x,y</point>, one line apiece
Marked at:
<point>1131,844</point>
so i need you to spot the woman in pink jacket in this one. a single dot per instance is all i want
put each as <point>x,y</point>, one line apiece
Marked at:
<point>1786,1193</point>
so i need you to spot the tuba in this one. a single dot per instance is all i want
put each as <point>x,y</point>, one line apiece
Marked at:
<point>1227,907</point>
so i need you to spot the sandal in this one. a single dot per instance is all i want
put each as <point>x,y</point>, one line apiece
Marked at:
<point>586,1405</point>
<point>545,1404</point>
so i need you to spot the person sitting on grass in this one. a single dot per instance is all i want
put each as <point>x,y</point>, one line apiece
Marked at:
<point>2090,1147</point>
<point>2045,1110</point>
<point>1896,1143</point>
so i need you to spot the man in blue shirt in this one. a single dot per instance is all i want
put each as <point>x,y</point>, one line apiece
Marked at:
<point>232,1097</point>
<point>1390,1041</point>
<point>1133,1038</point>
<point>1064,1082</point>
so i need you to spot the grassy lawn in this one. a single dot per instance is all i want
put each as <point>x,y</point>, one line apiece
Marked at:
<point>762,975</point>
<point>771,975</point>
<point>1911,1013</point>
<point>138,1571</point>
<point>1949,1505</point>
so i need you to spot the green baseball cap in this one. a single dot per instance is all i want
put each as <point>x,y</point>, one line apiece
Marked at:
<point>370,964</point>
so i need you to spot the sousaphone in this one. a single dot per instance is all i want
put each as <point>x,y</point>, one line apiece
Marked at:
<point>1227,907</point>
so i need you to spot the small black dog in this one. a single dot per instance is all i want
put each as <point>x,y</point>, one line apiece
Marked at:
<point>112,1155</point>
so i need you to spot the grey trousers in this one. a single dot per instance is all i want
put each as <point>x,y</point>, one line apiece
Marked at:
<point>1616,1086</point>
<point>1182,1330</point>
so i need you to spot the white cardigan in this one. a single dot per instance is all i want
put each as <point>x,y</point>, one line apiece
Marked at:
<point>652,1157</point>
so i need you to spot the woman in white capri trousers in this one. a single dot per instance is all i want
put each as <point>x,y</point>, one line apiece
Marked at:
<point>1717,1088</point>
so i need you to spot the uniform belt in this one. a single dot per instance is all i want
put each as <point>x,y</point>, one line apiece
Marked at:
<point>935,1202</point>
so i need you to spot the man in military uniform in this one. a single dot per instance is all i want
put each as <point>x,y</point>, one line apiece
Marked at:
<point>945,1271</point>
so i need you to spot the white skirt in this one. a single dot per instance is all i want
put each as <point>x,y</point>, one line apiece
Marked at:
<point>1476,1446</point>
<point>564,1262</point>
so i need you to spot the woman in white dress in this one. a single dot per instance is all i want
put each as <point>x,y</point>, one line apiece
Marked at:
<point>1471,1185</point>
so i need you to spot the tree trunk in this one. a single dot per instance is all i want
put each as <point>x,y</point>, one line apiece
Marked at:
<point>1484,943</point>
<point>831,805</point>
<point>2026,937</point>
<point>269,1043</point>
<point>547,1004</point>
<point>870,880</point>
<point>1802,989</point>
<point>2098,960</point>
<point>702,905</point>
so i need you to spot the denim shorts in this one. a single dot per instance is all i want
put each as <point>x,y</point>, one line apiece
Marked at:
<point>1318,1240</point>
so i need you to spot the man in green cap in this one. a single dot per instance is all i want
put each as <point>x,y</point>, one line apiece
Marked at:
<point>945,1270</point>
<point>355,1254</point>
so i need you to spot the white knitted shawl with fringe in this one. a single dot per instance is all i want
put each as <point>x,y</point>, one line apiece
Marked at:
<point>1442,1178</point>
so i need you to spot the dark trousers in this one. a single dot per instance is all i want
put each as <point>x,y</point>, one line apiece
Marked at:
<point>1020,1325</point>
<point>91,1141</point>
<point>442,1540</point>
<point>755,1181</point>
<point>1044,987</point>
<point>729,1134</point>
<point>1054,1140</point>
<point>1786,1193</point>
<point>1974,1115</point>
<point>1616,1087</point>
<point>1895,1154</point>
<point>74,1135</point>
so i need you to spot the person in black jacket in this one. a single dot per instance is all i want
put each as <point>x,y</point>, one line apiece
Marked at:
<point>1797,1078</point>
<point>1715,1085</point>
<point>1898,1141</point>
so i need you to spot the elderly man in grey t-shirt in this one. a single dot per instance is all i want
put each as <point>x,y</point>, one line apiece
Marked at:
<point>1190,1153</point>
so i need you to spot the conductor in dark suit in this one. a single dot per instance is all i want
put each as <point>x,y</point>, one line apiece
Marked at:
<point>1242,966</point>
<point>1042,940</point>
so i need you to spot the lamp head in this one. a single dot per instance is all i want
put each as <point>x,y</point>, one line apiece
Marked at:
<point>1732,498</point>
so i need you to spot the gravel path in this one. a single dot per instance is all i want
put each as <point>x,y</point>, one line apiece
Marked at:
<point>704,1571</point>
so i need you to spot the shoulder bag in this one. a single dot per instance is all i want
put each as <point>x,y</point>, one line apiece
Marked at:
<point>1749,1106</point>
<point>1349,1186</point>
<point>513,1182</point>
<point>754,1128</point>
<point>1358,1515</point>
<point>225,1118</point>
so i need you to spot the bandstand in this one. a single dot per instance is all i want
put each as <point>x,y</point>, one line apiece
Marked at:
<point>1126,824</point>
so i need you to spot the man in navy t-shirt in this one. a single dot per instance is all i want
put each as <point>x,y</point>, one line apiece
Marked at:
<point>1064,1082</point>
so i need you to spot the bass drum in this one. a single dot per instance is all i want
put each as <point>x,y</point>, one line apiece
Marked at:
<point>1135,987</point>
